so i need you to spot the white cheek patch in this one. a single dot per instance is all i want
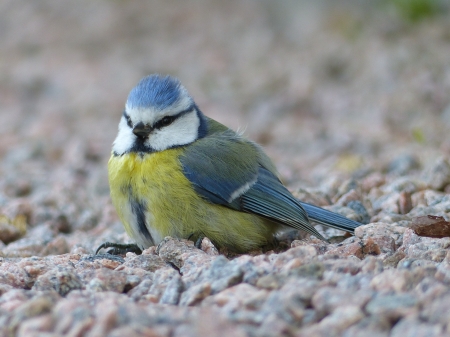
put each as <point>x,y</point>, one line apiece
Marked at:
<point>182,131</point>
<point>125,138</point>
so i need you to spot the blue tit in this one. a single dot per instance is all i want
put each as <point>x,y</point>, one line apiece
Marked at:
<point>175,172</point>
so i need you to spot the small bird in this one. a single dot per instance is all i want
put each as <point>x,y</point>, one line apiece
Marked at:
<point>175,172</point>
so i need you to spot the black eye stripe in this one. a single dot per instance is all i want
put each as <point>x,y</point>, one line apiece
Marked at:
<point>128,119</point>
<point>167,120</point>
<point>164,122</point>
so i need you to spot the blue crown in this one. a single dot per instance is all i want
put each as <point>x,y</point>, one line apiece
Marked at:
<point>155,91</point>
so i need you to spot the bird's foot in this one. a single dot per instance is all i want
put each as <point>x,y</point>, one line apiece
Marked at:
<point>119,248</point>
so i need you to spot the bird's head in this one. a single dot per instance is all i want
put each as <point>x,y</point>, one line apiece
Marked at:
<point>159,115</point>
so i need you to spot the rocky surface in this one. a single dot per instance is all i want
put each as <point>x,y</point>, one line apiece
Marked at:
<point>350,100</point>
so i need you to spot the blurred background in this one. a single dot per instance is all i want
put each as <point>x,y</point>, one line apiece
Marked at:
<point>329,88</point>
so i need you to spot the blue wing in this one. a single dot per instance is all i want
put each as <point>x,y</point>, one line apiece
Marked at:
<point>220,174</point>
<point>227,170</point>
<point>215,168</point>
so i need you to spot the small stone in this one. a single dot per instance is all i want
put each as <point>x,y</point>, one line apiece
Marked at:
<point>393,307</point>
<point>140,290</point>
<point>329,299</point>
<point>319,245</point>
<point>393,280</point>
<point>252,269</point>
<point>160,279</point>
<point>220,274</point>
<point>371,247</point>
<point>352,195</point>
<point>427,251</point>
<point>409,238</point>
<point>394,259</point>
<point>404,183</point>
<point>4,288</point>
<point>172,293</point>
<point>57,246</point>
<point>223,274</point>
<point>350,265</point>
<point>15,276</point>
<point>302,254</point>
<point>36,306</point>
<point>194,295</point>
<point>388,203</point>
<point>415,327</point>
<point>206,322</point>
<point>438,311</point>
<point>379,230</point>
<point>313,270</point>
<point>286,304</point>
<point>347,186</point>
<point>351,246</point>
<point>147,262</point>
<point>373,180</point>
<point>431,226</point>
<point>177,251</point>
<point>438,175</point>
<point>238,297</point>
<point>132,281</point>
<point>60,224</point>
<point>25,247</point>
<point>62,279</point>
<point>371,265</point>
<point>334,324</point>
<point>271,281</point>
<point>40,325</point>
<point>105,279</point>
<point>404,202</point>
<point>402,164</point>
<point>8,232</point>
<point>429,290</point>
<point>443,272</point>
<point>385,244</point>
<point>209,248</point>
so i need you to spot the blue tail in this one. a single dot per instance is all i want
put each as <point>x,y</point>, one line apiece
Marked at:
<point>329,219</point>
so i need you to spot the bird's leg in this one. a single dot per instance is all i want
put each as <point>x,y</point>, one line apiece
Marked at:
<point>119,248</point>
<point>198,242</point>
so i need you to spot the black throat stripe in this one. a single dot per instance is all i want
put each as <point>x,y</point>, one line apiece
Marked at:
<point>139,209</point>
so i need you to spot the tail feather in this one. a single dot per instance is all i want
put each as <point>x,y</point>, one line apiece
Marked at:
<point>330,219</point>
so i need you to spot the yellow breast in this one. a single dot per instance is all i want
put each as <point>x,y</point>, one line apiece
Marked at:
<point>150,192</point>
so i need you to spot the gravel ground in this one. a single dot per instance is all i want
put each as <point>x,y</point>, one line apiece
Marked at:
<point>352,103</point>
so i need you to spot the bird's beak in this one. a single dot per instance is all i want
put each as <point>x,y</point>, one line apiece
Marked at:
<point>141,130</point>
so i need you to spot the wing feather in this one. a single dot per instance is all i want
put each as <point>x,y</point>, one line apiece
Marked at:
<point>228,170</point>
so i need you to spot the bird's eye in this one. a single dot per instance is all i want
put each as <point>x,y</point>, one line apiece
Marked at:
<point>166,121</point>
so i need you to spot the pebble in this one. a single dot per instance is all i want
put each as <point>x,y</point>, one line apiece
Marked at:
<point>417,328</point>
<point>9,233</point>
<point>437,176</point>
<point>393,306</point>
<point>61,279</point>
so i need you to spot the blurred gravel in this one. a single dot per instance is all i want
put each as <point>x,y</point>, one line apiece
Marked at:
<point>350,100</point>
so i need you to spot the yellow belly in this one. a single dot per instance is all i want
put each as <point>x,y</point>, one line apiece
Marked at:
<point>173,208</point>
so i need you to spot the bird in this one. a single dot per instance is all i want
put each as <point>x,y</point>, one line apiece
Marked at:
<point>175,172</point>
